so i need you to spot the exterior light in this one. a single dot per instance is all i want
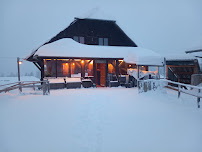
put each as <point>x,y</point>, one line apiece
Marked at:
<point>120,60</point>
<point>66,63</point>
<point>73,63</point>
<point>91,62</point>
<point>82,61</point>
<point>142,66</point>
<point>20,62</point>
<point>129,65</point>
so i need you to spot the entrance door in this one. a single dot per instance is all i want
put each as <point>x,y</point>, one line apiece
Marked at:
<point>101,74</point>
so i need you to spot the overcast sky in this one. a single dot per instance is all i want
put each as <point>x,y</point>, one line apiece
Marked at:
<point>164,26</point>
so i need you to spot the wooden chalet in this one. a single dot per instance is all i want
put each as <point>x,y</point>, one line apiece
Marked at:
<point>91,49</point>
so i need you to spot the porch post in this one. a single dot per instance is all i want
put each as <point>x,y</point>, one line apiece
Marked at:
<point>70,66</point>
<point>158,72</point>
<point>138,76</point>
<point>82,68</point>
<point>42,69</point>
<point>106,72</point>
<point>117,69</point>
<point>94,72</point>
<point>164,68</point>
<point>56,68</point>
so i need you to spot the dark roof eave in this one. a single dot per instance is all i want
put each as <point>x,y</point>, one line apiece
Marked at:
<point>192,51</point>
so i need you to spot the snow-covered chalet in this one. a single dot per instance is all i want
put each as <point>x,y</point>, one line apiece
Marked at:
<point>94,49</point>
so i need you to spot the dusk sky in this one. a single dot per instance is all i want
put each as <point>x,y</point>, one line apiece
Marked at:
<point>164,26</point>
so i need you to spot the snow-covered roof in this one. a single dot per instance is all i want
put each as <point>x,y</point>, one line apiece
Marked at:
<point>67,47</point>
<point>179,57</point>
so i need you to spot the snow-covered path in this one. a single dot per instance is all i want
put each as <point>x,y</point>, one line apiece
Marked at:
<point>100,120</point>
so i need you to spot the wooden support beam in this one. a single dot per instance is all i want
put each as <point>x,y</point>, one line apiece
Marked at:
<point>117,69</point>
<point>182,73</point>
<point>56,68</point>
<point>114,65</point>
<point>42,69</point>
<point>70,67</point>
<point>106,72</point>
<point>83,69</point>
<point>94,72</point>
<point>38,66</point>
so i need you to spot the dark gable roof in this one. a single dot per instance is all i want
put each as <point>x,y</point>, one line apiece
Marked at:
<point>92,29</point>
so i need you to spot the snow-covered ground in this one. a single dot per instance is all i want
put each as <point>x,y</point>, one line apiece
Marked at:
<point>100,120</point>
<point>6,80</point>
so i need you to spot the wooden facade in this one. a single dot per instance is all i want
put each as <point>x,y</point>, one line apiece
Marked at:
<point>181,70</point>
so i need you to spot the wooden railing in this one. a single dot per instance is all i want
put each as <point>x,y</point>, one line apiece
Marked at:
<point>41,85</point>
<point>152,84</point>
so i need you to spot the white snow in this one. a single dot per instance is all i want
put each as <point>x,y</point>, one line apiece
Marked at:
<point>6,80</point>
<point>142,73</point>
<point>179,57</point>
<point>67,47</point>
<point>100,119</point>
<point>61,80</point>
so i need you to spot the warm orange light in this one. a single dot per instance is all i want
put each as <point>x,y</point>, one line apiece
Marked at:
<point>91,62</point>
<point>20,62</point>
<point>73,63</point>
<point>129,65</point>
<point>120,60</point>
<point>66,63</point>
<point>142,66</point>
<point>82,61</point>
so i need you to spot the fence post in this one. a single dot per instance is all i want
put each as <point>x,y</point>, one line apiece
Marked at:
<point>34,86</point>
<point>48,86</point>
<point>44,88</point>
<point>178,90</point>
<point>20,87</point>
<point>198,98</point>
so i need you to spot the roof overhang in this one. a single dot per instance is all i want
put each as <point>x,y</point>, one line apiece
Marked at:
<point>68,48</point>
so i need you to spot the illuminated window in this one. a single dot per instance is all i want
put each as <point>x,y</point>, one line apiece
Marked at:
<point>88,67</point>
<point>122,67</point>
<point>76,68</point>
<point>111,67</point>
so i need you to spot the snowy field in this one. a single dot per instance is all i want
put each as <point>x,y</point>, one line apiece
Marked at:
<point>6,80</point>
<point>100,120</point>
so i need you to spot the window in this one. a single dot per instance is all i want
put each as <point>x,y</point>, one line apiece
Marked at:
<point>88,68</point>
<point>103,41</point>
<point>76,68</point>
<point>49,67</point>
<point>100,41</point>
<point>76,38</point>
<point>106,41</point>
<point>79,39</point>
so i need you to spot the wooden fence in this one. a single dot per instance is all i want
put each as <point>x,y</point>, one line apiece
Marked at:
<point>41,85</point>
<point>152,84</point>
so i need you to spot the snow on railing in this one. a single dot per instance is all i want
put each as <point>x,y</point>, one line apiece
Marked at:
<point>44,85</point>
<point>152,84</point>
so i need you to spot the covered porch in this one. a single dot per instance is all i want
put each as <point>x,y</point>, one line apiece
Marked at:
<point>102,65</point>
